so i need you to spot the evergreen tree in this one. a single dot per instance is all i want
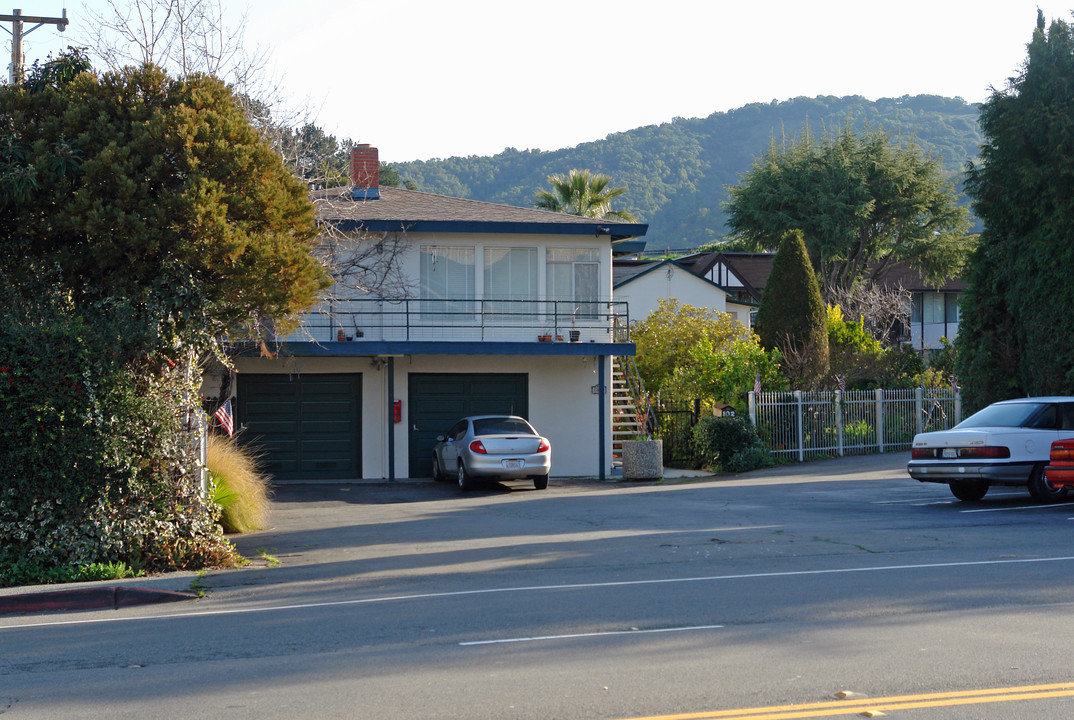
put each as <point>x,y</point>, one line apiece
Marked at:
<point>862,203</point>
<point>1020,295</point>
<point>792,317</point>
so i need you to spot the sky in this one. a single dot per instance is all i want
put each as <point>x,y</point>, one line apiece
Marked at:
<point>425,79</point>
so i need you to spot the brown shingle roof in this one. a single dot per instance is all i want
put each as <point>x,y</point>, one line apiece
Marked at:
<point>398,208</point>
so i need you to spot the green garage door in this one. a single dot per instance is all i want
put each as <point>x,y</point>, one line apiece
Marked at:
<point>307,427</point>
<point>437,400</point>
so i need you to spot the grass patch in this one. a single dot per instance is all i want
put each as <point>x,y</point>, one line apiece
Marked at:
<point>238,486</point>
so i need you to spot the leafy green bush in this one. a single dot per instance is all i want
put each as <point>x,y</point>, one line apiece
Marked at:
<point>98,467</point>
<point>730,444</point>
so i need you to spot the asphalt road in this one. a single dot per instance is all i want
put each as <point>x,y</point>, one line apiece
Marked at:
<point>762,595</point>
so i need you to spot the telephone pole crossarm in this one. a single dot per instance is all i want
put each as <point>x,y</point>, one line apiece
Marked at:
<point>17,20</point>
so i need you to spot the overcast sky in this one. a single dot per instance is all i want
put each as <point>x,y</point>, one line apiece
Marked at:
<point>433,79</point>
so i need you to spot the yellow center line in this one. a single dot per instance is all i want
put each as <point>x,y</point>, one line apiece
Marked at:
<point>856,706</point>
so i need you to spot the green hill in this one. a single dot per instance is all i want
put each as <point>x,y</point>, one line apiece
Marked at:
<point>676,173</point>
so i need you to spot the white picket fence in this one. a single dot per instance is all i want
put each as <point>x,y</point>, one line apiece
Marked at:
<point>855,422</point>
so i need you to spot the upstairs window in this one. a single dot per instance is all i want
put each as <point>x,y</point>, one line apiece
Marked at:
<point>510,280</point>
<point>447,281</point>
<point>574,281</point>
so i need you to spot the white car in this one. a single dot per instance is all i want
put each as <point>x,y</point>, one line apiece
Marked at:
<point>1006,443</point>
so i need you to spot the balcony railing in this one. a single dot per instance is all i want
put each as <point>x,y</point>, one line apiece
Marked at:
<point>467,320</point>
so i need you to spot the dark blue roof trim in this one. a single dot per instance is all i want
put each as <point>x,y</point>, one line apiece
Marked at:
<point>617,231</point>
<point>425,347</point>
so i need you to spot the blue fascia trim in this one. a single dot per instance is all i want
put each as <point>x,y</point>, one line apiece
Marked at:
<point>362,348</point>
<point>616,231</point>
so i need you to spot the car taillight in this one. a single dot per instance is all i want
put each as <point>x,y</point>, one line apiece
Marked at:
<point>1062,452</point>
<point>964,453</point>
<point>984,452</point>
<point>544,446</point>
<point>477,447</point>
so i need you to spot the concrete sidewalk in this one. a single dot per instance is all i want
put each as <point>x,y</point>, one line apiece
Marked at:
<point>178,586</point>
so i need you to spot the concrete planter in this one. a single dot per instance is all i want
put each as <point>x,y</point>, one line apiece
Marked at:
<point>643,459</point>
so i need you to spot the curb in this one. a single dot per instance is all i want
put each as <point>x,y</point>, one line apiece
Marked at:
<point>88,599</point>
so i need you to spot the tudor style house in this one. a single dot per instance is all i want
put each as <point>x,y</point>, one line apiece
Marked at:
<point>496,309</point>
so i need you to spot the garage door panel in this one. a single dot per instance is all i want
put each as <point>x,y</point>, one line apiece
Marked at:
<point>306,427</point>
<point>437,400</point>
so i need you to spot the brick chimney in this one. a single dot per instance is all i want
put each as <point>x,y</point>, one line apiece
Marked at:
<point>365,172</point>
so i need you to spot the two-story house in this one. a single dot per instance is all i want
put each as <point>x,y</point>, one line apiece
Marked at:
<point>498,309</point>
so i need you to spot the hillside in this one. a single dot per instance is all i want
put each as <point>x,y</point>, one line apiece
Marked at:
<point>676,173</point>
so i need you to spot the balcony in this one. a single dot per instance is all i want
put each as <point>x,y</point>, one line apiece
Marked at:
<point>411,320</point>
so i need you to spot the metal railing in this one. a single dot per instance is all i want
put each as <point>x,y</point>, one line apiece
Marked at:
<point>855,422</point>
<point>452,320</point>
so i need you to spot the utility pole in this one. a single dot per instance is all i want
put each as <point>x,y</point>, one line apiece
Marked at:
<point>17,20</point>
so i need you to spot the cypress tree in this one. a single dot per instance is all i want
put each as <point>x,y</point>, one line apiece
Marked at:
<point>792,317</point>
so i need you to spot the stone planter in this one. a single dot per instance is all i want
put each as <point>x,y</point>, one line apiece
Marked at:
<point>643,459</point>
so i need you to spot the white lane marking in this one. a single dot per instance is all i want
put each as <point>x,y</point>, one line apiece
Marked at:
<point>574,636</point>
<point>1012,509</point>
<point>546,588</point>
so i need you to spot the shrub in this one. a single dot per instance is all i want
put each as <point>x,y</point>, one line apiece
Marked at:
<point>729,443</point>
<point>239,488</point>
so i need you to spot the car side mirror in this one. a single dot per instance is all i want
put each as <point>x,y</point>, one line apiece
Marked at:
<point>440,438</point>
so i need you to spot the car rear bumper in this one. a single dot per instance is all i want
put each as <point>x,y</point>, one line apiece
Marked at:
<point>497,465</point>
<point>1060,475</point>
<point>948,472</point>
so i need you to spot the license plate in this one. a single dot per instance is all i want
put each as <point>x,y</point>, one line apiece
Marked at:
<point>950,453</point>
<point>512,464</point>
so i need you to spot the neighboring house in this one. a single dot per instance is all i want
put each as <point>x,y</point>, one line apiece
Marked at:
<point>934,311</point>
<point>643,283</point>
<point>504,310</point>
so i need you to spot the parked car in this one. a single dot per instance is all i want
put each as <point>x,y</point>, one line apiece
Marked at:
<point>1006,443</point>
<point>1060,470</point>
<point>492,446</point>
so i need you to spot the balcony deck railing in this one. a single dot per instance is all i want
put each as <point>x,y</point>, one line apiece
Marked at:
<point>467,320</point>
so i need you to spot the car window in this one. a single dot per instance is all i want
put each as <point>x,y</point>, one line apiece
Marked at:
<point>457,430</point>
<point>1046,419</point>
<point>1013,415</point>
<point>495,426</point>
<point>1068,415</point>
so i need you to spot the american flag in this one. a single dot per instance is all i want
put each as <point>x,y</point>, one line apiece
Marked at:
<point>224,417</point>
<point>842,383</point>
<point>757,383</point>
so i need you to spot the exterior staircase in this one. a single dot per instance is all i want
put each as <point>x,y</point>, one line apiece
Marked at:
<point>632,415</point>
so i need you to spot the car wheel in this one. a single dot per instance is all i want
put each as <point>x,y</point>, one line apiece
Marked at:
<point>969,491</point>
<point>1042,490</point>
<point>438,472</point>
<point>540,481</point>
<point>465,483</point>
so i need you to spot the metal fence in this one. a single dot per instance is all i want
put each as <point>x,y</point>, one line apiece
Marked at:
<point>675,426</point>
<point>855,422</point>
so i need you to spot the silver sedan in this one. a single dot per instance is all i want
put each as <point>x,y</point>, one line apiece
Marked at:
<point>500,446</point>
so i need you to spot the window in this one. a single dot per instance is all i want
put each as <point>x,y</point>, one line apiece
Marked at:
<point>574,277</point>
<point>951,304</point>
<point>510,275</point>
<point>928,306</point>
<point>447,281</point>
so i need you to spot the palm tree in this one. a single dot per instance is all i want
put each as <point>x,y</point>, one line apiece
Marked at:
<point>580,193</point>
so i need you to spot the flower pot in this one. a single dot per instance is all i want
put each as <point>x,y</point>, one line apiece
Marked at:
<point>575,335</point>
<point>544,338</point>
